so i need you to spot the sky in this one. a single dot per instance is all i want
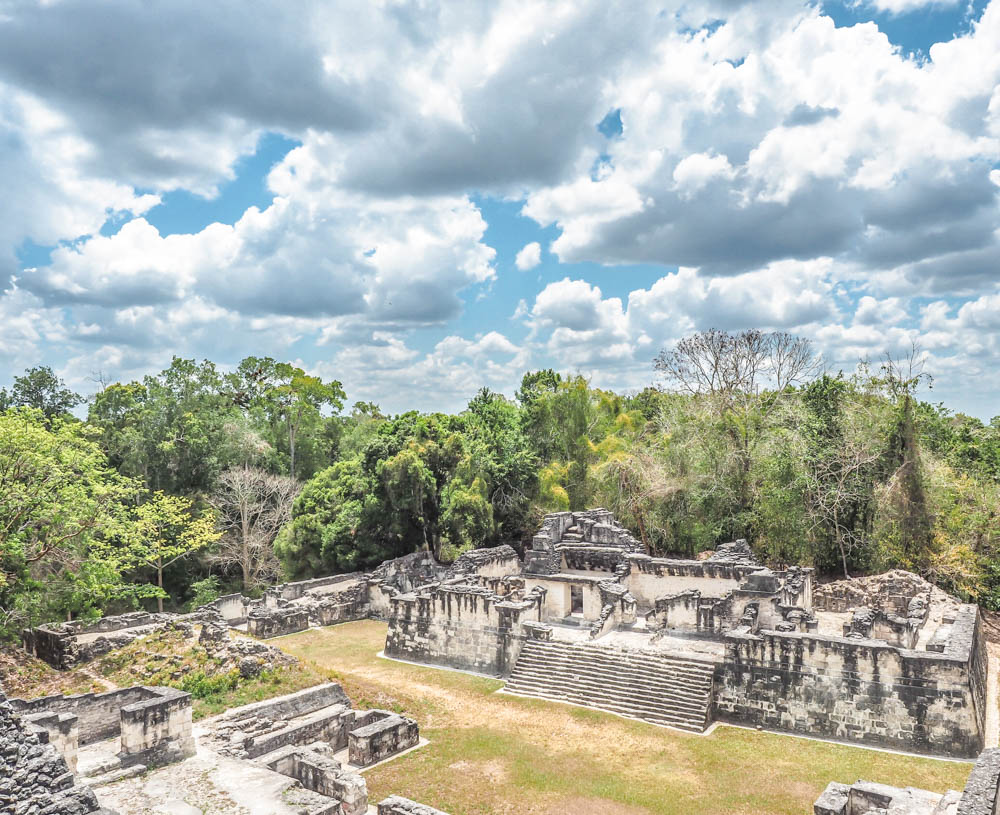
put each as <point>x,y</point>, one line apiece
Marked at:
<point>419,199</point>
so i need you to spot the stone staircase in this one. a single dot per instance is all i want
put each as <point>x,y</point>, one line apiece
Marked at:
<point>656,688</point>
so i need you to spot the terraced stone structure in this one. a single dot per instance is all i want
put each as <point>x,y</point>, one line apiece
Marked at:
<point>591,618</point>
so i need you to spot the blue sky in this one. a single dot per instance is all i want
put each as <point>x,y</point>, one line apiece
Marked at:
<point>419,201</point>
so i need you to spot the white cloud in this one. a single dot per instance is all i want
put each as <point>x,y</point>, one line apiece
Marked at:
<point>529,257</point>
<point>905,6</point>
<point>795,174</point>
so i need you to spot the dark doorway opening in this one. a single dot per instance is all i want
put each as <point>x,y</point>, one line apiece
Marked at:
<point>576,599</point>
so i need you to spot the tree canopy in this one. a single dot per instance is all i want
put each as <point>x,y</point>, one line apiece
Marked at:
<point>195,481</point>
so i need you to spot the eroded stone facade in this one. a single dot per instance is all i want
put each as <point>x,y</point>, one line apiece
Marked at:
<point>34,777</point>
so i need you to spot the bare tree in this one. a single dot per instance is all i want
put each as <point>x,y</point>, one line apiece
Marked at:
<point>719,363</point>
<point>253,505</point>
<point>742,378</point>
<point>838,483</point>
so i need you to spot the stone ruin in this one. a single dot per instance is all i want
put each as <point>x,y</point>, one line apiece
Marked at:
<point>868,798</point>
<point>147,727</point>
<point>312,737</point>
<point>34,777</point>
<point>593,619</point>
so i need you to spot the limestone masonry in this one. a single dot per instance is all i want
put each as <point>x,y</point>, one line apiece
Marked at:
<point>590,618</point>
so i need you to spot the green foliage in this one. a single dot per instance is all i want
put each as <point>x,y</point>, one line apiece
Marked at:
<point>204,592</point>
<point>59,504</point>
<point>162,530</point>
<point>846,473</point>
<point>290,403</point>
<point>40,389</point>
<point>204,687</point>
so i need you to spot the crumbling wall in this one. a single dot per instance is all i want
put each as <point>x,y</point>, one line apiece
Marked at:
<point>891,592</point>
<point>857,690</point>
<point>395,805</point>
<point>153,723</point>
<point>34,778</point>
<point>593,527</point>
<point>495,561</point>
<point>60,730</point>
<point>265,623</point>
<point>66,645</point>
<point>378,734</point>
<point>980,796</point>
<point>320,773</point>
<point>459,626</point>
<point>293,591</point>
<point>98,714</point>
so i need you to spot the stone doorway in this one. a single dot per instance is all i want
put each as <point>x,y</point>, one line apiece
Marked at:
<point>576,600</point>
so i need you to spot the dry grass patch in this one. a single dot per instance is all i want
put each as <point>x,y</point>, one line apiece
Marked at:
<point>25,676</point>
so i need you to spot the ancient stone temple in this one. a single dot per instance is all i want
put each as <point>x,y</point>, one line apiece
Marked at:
<point>591,618</point>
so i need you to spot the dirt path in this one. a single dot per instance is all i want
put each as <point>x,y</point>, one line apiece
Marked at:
<point>107,684</point>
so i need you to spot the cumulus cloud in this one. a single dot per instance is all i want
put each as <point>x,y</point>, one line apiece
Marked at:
<point>741,148</point>
<point>529,257</point>
<point>905,6</point>
<point>782,172</point>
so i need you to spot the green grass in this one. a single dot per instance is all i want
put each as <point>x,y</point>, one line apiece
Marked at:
<point>492,754</point>
<point>156,659</point>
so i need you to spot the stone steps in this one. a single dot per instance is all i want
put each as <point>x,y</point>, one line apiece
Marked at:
<point>112,776</point>
<point>656,688</point>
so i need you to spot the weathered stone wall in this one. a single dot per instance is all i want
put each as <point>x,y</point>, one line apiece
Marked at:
<point>409,572</point>
<point>34,778</point>
<point>496,561</point>
<point>153,723</point>
<point>651,578</point>
<point>231,607</point>
<point>594,527</point>
<point>980,794</point>
<point>98,714</point>
<point>323,775</point>
<point>265,623</point>
<point>857,690</point>
<point>157,731</point>
<point>293,704</point>
<point>66,645</point>
<point>330,725</point>
<point>60,730</point>
<point>293,591</point>
<point>460,627</point>
<point>378,734</point>
<point>395,805</point>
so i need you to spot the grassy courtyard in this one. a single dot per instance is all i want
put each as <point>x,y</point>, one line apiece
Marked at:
<point>492,754</point>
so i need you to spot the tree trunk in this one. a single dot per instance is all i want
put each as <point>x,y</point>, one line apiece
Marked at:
<point>840,545</point>
<point>642,530</point>
<point>159,582</point>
